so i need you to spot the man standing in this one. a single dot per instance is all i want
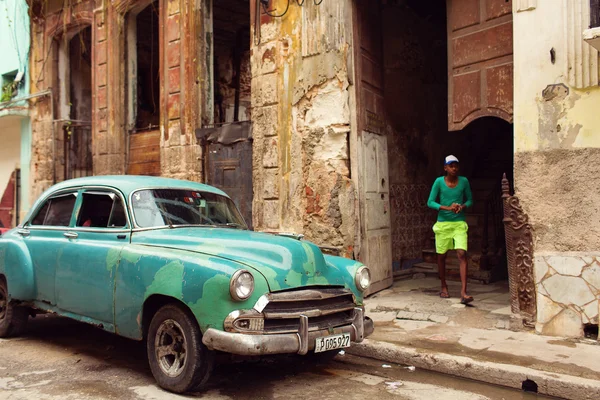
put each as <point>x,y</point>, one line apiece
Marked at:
<point>454,193</point>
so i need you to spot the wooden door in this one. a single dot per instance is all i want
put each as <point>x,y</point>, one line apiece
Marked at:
<point>375,243</point>
<point>480,61</point>
<point>144,153</point>
<point>230,169</point>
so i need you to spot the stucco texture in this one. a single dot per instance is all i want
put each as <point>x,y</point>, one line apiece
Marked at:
<point>559,191</point>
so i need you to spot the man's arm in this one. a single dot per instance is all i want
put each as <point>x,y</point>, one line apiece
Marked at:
<point>433,195</point>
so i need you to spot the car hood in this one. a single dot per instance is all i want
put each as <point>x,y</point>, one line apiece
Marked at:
<point>284,262</point>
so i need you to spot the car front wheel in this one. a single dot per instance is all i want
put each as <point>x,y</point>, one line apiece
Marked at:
<point>13,319</point>
<point>178,359</point>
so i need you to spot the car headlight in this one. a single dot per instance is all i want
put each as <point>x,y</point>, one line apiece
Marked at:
<point>363,278</point>
<point>241,285</point>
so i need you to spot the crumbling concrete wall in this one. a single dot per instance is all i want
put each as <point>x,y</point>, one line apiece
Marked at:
<point>301,89</point>
<point>557,149</point>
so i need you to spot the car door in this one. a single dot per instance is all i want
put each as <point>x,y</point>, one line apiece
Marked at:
<point>85,276</point>
<point>44,237</point>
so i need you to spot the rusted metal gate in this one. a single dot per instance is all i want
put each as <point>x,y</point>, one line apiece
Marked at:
<point>480,61</point>
<point>227,152</point>
<point>376,235</point>
<point>78,149</point>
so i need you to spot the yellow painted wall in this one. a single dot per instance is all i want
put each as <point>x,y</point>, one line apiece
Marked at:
<point>569,122</point>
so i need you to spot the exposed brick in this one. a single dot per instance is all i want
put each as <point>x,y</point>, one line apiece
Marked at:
<point>173,29</point>
<point>101,75</point>
<point>101,101</point>
<point>173,106</point>
<point>173,54</point>
<point>173,7</point>
<point>174,80</point>
<point>101,53</point>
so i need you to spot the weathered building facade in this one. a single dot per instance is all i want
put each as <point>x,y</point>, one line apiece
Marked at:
<point>352,105</point>
<point>15,128</point>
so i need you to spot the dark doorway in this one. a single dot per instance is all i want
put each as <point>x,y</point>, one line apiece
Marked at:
<point>78,127</point>
<point>227,139</point>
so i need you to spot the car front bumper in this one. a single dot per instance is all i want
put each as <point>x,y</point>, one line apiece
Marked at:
<point>300,342</point>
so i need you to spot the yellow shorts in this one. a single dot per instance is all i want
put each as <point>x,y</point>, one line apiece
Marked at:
<point>450,236</point>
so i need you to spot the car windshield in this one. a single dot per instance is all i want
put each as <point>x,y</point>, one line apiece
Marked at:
<point>173,207</point>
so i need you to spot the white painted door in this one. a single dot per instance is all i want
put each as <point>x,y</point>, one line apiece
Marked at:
<point>376,247</point>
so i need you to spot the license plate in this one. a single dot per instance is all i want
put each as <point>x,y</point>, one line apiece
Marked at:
<point>333,342</point>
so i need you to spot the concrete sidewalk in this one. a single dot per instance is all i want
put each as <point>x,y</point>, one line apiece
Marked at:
<point>414,326</point>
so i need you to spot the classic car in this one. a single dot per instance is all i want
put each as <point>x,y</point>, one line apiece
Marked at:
<point>172,262</point>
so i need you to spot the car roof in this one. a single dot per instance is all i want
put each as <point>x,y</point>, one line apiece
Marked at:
<point>129,183</point>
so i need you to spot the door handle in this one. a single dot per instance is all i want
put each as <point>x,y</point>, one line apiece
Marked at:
<point>121,236</point>
<point>23,232</point>
<point>70,235</point>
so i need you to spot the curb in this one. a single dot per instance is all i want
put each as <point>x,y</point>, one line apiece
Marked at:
<point>549,383</point>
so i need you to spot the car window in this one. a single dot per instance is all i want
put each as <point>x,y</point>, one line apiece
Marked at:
<point>101,210</point>
<point>57,211</point>
<point>160,207</point>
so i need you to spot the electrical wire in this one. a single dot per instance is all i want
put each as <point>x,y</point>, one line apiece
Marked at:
<point>300,4</point>
<point>319,3</point>
<point>280,15</point>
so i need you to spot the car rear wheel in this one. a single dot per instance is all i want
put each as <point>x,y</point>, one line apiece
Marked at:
<point>13,319</point>
<point>178,359</point>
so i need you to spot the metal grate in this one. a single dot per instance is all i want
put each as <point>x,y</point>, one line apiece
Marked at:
<point>325,308</point>
<point>78,150</point>
<point>594,13</point>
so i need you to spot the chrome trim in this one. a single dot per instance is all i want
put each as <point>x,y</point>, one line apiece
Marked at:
<point>70,235</point>
<point>77,190</point>
<point>359,324</point>
<point>309,294</point>
<point>311,313</point>
<point>261,303</point>
<point>234,277</point>
<point>356,275</point>
<point>23,232</point>
<point>229,323</point>
<point>255,345</point>
<point>303,335</point>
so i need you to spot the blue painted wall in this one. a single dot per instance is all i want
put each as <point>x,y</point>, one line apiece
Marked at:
<point>15,43</point>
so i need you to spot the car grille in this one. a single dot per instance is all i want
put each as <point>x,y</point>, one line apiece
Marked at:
<point>325,308</point>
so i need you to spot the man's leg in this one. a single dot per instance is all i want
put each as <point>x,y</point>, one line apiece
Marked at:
<point>462,257</point>
<point>461,241</point>
<point>441,261</point>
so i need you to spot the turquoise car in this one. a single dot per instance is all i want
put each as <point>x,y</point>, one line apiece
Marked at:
<point>172,262</point>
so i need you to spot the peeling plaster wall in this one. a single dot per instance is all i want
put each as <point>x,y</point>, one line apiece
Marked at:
<point>557,158</point>
<point>301,111</point>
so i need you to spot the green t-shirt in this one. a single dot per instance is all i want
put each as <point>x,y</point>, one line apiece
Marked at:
<point>460,194</point>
